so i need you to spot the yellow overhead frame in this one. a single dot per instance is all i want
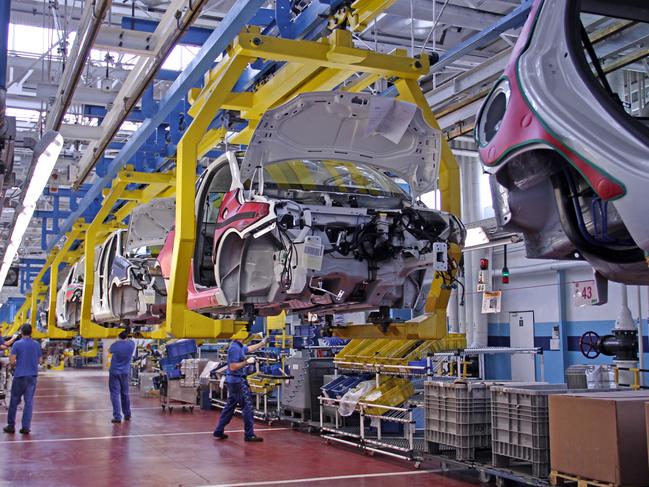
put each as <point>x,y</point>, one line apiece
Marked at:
<point>310,66</point>
<point>155,185</point>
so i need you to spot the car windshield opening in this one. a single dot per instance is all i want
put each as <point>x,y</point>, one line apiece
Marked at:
<point>332,176</point>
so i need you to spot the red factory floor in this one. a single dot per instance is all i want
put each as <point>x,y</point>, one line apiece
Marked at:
<point>73,443</point>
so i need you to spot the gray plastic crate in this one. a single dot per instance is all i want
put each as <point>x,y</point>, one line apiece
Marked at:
<point>458,415</point>
<point>520,426</point>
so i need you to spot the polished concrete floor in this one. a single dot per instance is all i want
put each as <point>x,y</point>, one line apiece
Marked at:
<point>73,443</point>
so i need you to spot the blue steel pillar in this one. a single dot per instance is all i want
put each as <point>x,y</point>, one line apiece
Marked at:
<point>5,15</point>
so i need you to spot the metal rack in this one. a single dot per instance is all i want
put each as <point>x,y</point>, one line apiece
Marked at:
<point>461,355</point>
<point>406,447</point>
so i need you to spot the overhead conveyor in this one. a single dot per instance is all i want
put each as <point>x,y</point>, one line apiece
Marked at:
<point>308,66</point>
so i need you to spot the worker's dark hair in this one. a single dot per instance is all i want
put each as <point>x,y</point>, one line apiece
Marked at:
<point>26,330</point>
<point>123,334</point>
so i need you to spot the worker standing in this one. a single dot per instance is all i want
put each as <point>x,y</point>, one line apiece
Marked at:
<point>118,382</point>
<point>238,390</point>
<point>25,356</point>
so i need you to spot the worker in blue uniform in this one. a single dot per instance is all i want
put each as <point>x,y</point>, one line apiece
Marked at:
<point>25,357</point>
<point>238,390</point>
<point>118,381</point>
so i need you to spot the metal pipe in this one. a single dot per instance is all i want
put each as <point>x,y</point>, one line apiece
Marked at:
<point>640,334</point>
<point>145,77</point>
<point>545,267</point>
<point>452,313</point>
<point>88,29</point>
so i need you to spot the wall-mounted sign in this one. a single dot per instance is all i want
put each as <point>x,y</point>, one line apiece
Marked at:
<point>491,302</point>
<point>585,294</point>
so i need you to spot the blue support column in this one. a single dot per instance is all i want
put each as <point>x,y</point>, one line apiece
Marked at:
<point>236,19</point>
<point>28,268</point>
<point>5,16</point>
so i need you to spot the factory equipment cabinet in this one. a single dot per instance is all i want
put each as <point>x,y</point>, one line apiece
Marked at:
<point>299,398</point>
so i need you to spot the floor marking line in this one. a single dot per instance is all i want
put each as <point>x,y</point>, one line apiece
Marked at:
<point>323,479</point>
<point>86,410</point>
<point>146,435</point>
<point>61,395</point>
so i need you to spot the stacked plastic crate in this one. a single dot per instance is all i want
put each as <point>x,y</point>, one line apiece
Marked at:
<point>176,353</point>
<point>458,415</point>
<point>519,425</point>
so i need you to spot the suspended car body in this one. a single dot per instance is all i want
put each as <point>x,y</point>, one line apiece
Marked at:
<point>68,297</point>
<point>128,286</point>
<point>308,218</point>
<point>569,166</point>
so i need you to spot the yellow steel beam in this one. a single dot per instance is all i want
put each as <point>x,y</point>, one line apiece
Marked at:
<point>361,83</point>
<point>181,321</point>
<point>449,175</point>
<point>365,11</point>
<point>338,53</point>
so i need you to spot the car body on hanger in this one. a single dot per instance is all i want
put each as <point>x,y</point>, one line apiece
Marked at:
<point>68,297</point>
<point>310,217</point>
<point>128,287</point>
<point>569,166</point>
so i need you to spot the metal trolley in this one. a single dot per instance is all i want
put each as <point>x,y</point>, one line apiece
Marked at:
<point>172,394</point>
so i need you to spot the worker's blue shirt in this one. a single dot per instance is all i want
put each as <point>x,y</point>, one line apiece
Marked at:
<point>28,353</point>
<point>2,341</point>
<point>122,351</point>
<point>236,353</point>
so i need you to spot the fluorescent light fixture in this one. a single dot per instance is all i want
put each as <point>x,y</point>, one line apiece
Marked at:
<point>46,153</point>
<point>475,236</point>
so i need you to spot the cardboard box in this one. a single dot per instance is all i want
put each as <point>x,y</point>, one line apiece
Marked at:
<point>600,436</point>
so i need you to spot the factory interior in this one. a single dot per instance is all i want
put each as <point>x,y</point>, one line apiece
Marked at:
<point>324,243</point>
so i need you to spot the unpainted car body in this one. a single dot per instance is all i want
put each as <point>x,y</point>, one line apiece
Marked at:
<point>68,297</point>
<point>569,166</point>
<point>128,286</point>
<point>308,220</point>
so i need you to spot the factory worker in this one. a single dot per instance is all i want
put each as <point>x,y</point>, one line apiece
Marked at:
<point>238,390</point>
<point>25,356</point>
<point>118,382</point>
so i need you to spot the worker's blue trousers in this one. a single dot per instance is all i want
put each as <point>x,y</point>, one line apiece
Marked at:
<point>22,388</point>
<point>238,394</point>
<point>118,386</point>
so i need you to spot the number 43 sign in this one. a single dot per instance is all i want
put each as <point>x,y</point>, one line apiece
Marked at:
<point>585,293</point>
